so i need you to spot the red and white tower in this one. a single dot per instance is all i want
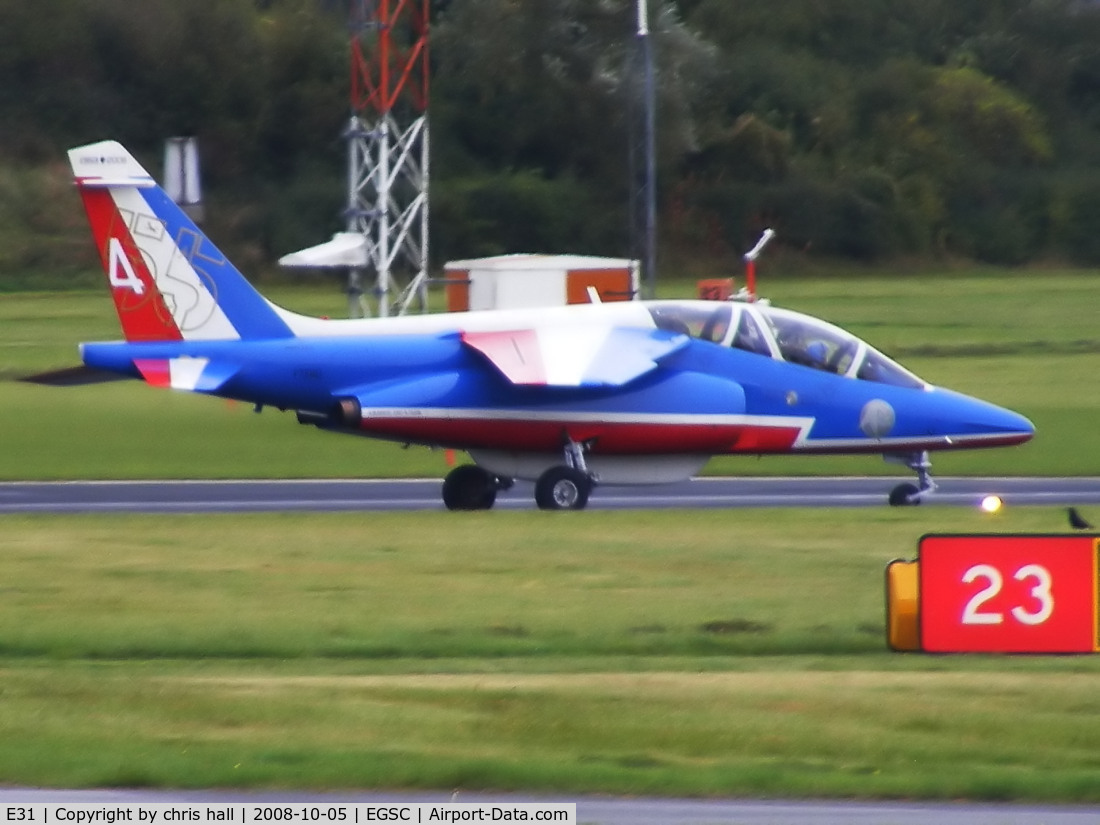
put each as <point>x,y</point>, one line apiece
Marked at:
<point>387,139</point>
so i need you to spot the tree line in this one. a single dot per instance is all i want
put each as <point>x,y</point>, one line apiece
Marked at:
<point>859,129</point>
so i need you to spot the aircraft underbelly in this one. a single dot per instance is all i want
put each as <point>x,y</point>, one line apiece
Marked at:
<point>680,412</point>
<point>676,411</point>
<point>618,469</point>
<point>610,434</point>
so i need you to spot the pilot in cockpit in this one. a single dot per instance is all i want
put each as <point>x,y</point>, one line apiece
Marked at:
<point>817,355</point>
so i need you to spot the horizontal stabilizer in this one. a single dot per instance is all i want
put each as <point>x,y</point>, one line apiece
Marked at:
<point>73,377</point>
<point>575,356</point>
<point>189,374</point>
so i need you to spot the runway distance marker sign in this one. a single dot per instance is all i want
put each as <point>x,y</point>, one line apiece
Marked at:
<point>997,594</point>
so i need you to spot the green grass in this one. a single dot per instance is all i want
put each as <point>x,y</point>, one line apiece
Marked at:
<point>280,586</point>
<point>667,653</point>
<point>761,732</point>
<point>1027,340</point>
<point>702,653</point>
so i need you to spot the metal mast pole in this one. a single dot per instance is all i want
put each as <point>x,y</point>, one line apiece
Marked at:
<point>650,186</point>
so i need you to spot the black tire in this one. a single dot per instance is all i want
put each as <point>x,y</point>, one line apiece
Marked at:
<point>905,495</point>
<point>562,488</point>
<point>469,488</point>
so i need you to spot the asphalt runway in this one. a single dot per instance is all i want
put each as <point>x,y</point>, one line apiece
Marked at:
<point>424,494</point>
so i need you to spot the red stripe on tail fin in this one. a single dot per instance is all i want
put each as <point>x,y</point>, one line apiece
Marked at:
<point>141,309</point>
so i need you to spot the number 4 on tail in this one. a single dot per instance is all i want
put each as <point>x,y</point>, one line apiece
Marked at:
<point>120,270</point>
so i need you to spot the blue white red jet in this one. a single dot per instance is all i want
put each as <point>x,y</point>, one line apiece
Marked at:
<point>568,397</point>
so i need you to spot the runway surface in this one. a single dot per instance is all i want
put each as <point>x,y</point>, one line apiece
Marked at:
<point>424,494</point>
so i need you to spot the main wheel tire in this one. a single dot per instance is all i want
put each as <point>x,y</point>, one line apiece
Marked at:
<point>905,495</point>
<point>469,488</point>
<point>562,488</point>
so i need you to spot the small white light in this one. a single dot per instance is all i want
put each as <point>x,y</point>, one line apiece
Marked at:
<point>992,504</point>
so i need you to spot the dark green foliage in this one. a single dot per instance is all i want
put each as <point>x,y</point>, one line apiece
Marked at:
<point>857,128</point>
<point>901,139</point>
<point>1080,224</point>
<point>511,211</point>
<point>44,240</point>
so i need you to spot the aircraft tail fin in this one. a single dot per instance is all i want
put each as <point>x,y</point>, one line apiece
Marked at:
<point>168,280</point>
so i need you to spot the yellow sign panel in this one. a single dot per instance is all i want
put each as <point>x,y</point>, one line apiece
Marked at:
<point>903,605</point>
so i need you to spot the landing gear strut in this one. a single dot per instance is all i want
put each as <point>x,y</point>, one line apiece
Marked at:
<point>470,487</point>
<point>566,486</point>
<point>912,494</point>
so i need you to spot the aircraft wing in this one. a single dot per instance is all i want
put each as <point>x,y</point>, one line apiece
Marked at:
<point>192,374</point>
<point>577,356</point>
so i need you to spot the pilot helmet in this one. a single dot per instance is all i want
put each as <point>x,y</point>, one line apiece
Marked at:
<point>817,352</point>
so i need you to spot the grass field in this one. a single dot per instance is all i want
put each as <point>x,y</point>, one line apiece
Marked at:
<point>734,653</point>
<point>1025,340</point>
<point>702,653</point>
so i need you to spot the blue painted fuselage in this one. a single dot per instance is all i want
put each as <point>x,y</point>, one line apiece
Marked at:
<point>704,398</point>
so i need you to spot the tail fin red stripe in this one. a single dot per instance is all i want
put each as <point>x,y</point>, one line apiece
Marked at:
<point>168,280</point>
<point>141,309</point>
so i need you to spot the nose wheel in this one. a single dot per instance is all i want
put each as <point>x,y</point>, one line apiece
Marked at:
<point>908,494</point>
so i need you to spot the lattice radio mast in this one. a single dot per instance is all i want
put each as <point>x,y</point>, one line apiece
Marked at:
<point>387,137</point>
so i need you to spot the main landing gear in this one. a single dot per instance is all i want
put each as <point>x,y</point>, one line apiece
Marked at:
<point>912,494</point>
<point>564,486</point>
<point>470,487</point>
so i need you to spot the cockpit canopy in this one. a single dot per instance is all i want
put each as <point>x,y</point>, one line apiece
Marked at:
<point>783,335</point>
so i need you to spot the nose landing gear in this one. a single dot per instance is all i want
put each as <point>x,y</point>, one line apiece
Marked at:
<point>908,494</point>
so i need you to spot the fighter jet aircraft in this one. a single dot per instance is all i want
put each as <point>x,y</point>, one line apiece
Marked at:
<point>569,397</point>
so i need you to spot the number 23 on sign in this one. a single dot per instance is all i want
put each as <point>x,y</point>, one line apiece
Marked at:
<point>1008,593</point>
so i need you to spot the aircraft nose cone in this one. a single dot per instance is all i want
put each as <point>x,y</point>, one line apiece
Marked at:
<point>981,421</point>
<point>1016,428</point>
